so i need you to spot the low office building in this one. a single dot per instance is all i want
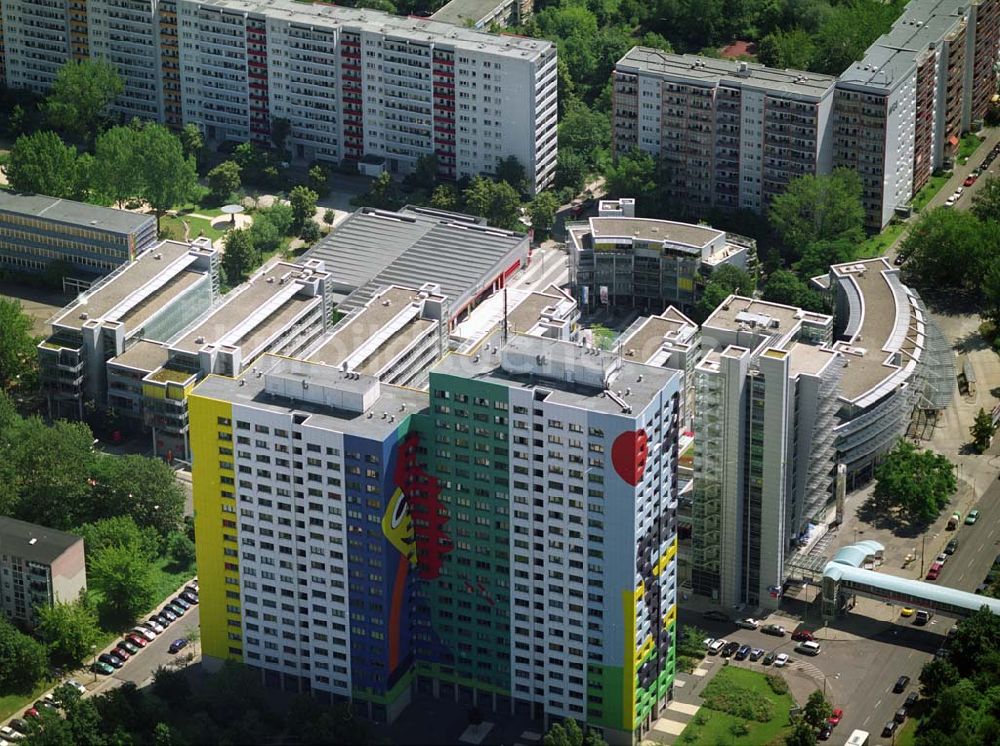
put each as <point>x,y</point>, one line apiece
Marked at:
<point>897,366</point>
<point>484,14</point>
<point>283,309</point>
<point>453,477</point>
<point>464,257</point>
<point>36,230</point>
<point>153,297</point>
<point>617,259</point>
<point>39,567</point>
<point>765,412</point>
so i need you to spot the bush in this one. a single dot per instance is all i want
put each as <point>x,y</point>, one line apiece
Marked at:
<point>686,664</point>
<point>310,232</point>
<point>329,216</point>
<point>181,549</point>
<point>739,729</point>
<point>777,683</point>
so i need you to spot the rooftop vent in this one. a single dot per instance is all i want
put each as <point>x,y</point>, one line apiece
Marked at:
<point>32,541</point>
<point>84,316</point>
<point>157,256</point>
<point>199,340</point>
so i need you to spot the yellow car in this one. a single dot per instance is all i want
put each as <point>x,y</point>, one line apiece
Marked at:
<point>906,611</point>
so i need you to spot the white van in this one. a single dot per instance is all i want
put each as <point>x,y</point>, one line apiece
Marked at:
<point>808,648</point>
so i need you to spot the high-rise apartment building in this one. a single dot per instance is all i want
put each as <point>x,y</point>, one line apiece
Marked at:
<point>734,133</point>
<point>765,412</point>
<point>351,83</point>
<point>730,134</point>
<point>358,539</point>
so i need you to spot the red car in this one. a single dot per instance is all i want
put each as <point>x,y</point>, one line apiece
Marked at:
<point>969,180</point>
<point>136,640</point>
<point>803,635</point>
<point>123,654</point>
<point>31,712</point>
<point>934,571</point>
<point>836,717</point>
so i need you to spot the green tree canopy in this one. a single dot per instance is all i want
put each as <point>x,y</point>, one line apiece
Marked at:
<point>240,257</point>
<point>169,179</point>
<point>223,180</point>
<point>918,483</point>
<point>982,431</point>
<point>511,170</point>
<point>584,132</point>
<point>542,211</point>
<point>43,164</point>
<point>192,142</point>
<point>571,171</point>
<point>141,487</point>
<point>303,201</point>
<point>118,167</point>
<point>723,282</point>
<point>949,249</point>
<point>445,197</point>
<point>281,216</point>
<point>23,661</point>
<point>497,201</point>
<point>81,95</point>
<point>123,577</point>
<point>817,709</point>
<point>634,175</point>
<point>819,256</point>
<point>18,357</point>
<point>120,530</point>
<point>785,287</point>
<point>793,49</point>
<point>802,734</point>
<point>68,630</point>
<point>818,208</point>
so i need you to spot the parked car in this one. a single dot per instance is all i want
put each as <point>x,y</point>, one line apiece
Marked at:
<point>167,612</point>
<point>181,602</point>
<point>933,572</point>
<point>730,649</point>
<point>31,712</point>
<point>953,522</point>
<point>951,547</point>
<point>824,733</point>
<point>9,734</point>
<point>901,683</point>
<point>890,729</point>
<point>834,720</point>
<point>128,646</point>
<point>154,624</point>
<point>136,639</point>
<point>716,615</point>
<point>101,667</point>
<point>20,726</point>
<point>161,619</point>
<point>747,623</point>
<point>716,647</point>
<point>707,642</point>
<point>123,654</point>
<point>969,180</point>
<point>923,616</point>
<point>111,659</point>
<point>802,635</point>
<point>177,645</point>
<point>175,609</point>
<point>190,597</point>
<point>756,654</point>
<point>781,660</point>
<point>769,658</point>
<point>742,652</point>
<point>972,517</point>
<point>911,699</point>
<point>981,588</point>
<point>77,685</point>
<point>950,202</point>
<point>906,611</point>
<point>808,648</point>
<point>941,558</point>
<point>773,629</point>
<point>900,715</point>
<point>146,632</point>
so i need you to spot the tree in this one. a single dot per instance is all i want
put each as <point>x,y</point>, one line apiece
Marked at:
<point>817,709</point>
<point>303,201</point>
<point>172,687</point>
<point>43,164</point>
<point>497,201</point>
<point>264,236</point>
<point>118,157</point>
<point>424,174</point>
<point>445,197</point>
<point>982,431</point>
<point>18,357</point>
<point>819,256</point>
<point>192,142</point>
<point>918,483</point>
<point>23,661</point>
<point>240,256</point>
<point>724,281</point>
<point>785,287</point>
<point>123,577</point>
<point>802,734</point>
<point>510,170</point>
<point>990,290</point>
<point>542,211</point>
<point>141,487</point>
<point>949,249</point>
<point>223,180</point>
<point>584,132</point>
<point>120,530</point>
<point>792,49</point>
<point>571,171</point>
<point>986,201</point>
<point>818,208</point>
<point>168,177</point>
<point>281,216</point>
<point>937,675</point>
<point>634,175</point>
<point>50,467</point>
<point>319,179</point>
<point>68,629</point>
<point>329,216</point>
<point>568,733</point>
<point>280,130</point>
<point>310,233</point>
<point>81,95</point>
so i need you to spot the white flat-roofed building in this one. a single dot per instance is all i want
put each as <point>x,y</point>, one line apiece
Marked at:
<point>616,259</point>
<point>765,411</point>
<point>153,297</point>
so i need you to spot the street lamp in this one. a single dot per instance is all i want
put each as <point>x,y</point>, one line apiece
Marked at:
<point>93,649</point>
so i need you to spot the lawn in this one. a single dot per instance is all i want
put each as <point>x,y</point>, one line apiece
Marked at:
<point>17,703</point>
<point>711,727</point>
<point>198,225</point>
<point>172,228</point>
<point>928,191</point>
<point>967,146</point>
<point>877,244</point>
